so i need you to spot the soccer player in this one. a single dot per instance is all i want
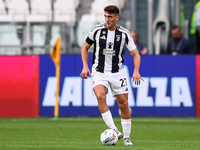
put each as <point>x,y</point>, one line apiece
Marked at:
<point>109,39</point>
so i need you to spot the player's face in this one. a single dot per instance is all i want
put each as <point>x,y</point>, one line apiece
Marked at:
<point>111,20</point>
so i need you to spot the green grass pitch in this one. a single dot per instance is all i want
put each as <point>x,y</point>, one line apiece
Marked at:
<point>77,133</point>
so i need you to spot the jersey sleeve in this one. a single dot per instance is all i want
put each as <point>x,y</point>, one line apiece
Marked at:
<point>90,38</point>
<point>130,43</point>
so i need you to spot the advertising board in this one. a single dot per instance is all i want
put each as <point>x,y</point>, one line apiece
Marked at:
<point>19,86</point>
<point>169,89</point>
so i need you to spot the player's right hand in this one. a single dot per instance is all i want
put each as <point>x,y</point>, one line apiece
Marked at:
<point>84,72</point>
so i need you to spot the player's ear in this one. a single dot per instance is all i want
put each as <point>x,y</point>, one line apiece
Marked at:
<point>117,17</point>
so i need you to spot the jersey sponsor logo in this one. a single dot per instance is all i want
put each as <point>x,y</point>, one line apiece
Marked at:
<point>109,52</point>
<point>79,92</point>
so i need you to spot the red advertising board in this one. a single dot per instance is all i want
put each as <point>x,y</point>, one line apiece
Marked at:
<point>19,86</point>
<point>198,86</point>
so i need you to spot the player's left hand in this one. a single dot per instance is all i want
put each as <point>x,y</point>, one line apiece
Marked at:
<point>137,78</point>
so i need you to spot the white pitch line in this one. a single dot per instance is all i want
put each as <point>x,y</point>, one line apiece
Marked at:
<point>24,119</point>
<point>116,119</point>
<point>186,120</point>
<point>166,120</point>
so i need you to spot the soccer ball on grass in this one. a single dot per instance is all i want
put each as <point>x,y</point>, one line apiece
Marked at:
<point>109,137</point>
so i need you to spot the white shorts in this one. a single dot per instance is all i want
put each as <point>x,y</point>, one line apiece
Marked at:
<point>116,81</point>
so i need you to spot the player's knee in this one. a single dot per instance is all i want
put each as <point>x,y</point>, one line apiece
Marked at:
<point>101,98</point>
<point>123,105</point>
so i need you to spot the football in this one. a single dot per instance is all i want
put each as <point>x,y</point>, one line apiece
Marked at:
<point>109,137</point>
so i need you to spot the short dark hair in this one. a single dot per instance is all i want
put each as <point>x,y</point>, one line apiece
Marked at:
<point>112,9</point>
<point>175,27</point>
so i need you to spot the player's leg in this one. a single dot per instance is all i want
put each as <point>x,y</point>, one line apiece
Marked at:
<point>100,92</point>
<point>122,100</point>
<point>119,88</point>
<point>100,87</point>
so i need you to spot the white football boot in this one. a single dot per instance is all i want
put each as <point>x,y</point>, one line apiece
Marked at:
<point>127,142</point>
<point>119,134</point>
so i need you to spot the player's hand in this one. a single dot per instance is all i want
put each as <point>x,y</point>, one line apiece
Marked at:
<point>137,78</point>
<point>84,72</point>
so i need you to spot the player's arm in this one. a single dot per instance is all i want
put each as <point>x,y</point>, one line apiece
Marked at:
<point>84,56</point>
<point>136,75</point>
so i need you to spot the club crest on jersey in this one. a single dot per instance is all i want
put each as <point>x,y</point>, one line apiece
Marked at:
<point>103,32</point>
<point>118,38</point>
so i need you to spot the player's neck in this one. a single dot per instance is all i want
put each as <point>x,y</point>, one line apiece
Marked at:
<point>113,28</point>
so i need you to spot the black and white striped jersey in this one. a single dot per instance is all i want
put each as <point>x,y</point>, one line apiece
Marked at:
<point>108,47</point>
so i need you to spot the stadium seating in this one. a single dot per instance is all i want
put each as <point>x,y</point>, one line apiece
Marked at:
<point>65,10</point>
<point>55,33</point>
<point>20,12</point>
<point>119,3</point>
<point>84,26</point>
<point>40,35</point>
<point>38,39</point>
<point>38,18</point>
<point>2,7</point>
<point>41,11</point>
<point>5,18</point>
<point>7,33</point>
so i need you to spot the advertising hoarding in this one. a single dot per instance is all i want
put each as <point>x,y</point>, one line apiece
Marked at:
<point>169,89</point>
<point>19,86</point>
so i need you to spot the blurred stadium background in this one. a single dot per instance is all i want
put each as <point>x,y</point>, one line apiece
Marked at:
<point>32,26</point>
<point>165,108</point>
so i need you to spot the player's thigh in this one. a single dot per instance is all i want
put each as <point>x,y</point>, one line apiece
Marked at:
<point>100,91</point>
